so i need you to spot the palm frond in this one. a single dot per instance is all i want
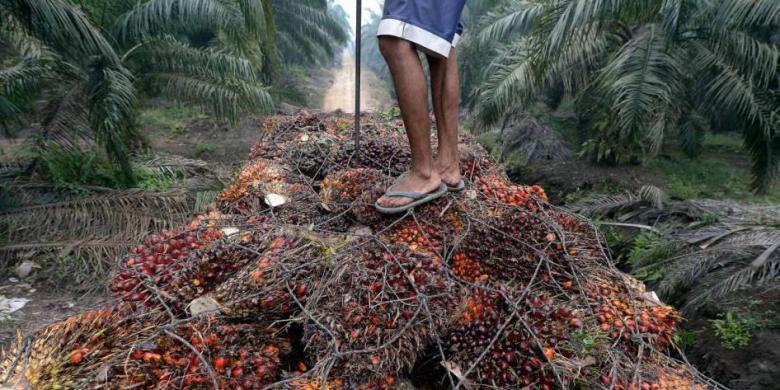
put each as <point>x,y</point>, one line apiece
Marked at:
<point>124,215</point>
<point>517,19</point>
<point>644,75</point>
<point>764,270</point>
<point>111,106</point>
<point>63,26</point>
<point>70,264</point>
<point>226,100</point>
<point>309,26</point>
<point>512,81</point>
<point>156,17</point>
<point>603,205</point>
<point>748,13</point>
<point>168,55</point>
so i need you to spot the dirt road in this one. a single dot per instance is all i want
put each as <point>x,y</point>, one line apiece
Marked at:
<point>341,94</point>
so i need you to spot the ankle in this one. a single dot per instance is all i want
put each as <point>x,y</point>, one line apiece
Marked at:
<point>426,174</point>
<point>444,163</point>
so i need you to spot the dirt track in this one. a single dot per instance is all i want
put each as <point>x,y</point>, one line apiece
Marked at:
<point>341,94</point>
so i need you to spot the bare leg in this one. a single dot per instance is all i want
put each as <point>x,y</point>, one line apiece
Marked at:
<point>409,80</point>
<point>445,88</point>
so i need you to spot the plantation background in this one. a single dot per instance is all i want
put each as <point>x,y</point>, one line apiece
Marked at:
<point>659,119</point>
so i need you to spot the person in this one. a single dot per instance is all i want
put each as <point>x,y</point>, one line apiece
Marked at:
<point>433,27</point>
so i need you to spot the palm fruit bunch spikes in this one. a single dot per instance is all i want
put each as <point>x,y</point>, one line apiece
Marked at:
<point>253,183</point>
<point>496,188</point>
<point>622,320</point>
<point>354,192</point>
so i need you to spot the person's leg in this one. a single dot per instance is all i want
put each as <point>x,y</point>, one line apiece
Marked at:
<point>445,90</point>
<point>410,86</point>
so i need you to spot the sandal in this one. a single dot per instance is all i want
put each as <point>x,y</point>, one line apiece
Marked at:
<point>417,199</point>
<point>457,187</point>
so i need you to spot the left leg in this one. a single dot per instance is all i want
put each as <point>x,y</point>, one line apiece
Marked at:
<point>445,91</point>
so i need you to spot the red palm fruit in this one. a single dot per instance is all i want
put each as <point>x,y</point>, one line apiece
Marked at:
<point>76,357</point>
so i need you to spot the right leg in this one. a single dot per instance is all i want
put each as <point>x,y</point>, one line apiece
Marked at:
<point>410,86</point>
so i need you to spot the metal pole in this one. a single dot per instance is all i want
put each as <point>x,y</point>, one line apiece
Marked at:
<point>358,40</point>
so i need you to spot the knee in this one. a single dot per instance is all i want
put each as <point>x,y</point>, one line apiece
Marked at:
<point>391,47</point>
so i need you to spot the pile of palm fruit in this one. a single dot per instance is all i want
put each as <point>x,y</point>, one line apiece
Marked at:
<point>295,281</point>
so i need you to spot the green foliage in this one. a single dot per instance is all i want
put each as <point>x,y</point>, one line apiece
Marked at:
<point>391,113</point>
<point>683,339</point>
<point>586,342</point>
<point>82,171</point>
<point>734,332</point>
<point>640,69</point>
<point>74,170</point>
<point>647,256</point>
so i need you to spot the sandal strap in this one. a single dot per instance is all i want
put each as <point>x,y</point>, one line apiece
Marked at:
<point>408,194</point>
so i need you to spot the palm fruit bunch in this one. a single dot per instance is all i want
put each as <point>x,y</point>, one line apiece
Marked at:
<point>489,288</point>
<point>492,350</point>
<point>388,155</point>
<point>626,319</point>
<point>382,306</point>
<point>200,353</point>
<point>670,376</point>
<point>66,354</point>
<point>160,257</point>
<point>254,181</point>
<point>213,266</point>
<point>354,192</point>
<point>275,282</point>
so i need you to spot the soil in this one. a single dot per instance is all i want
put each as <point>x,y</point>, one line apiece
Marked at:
<point>341,93</point>
<point>208,139</point>
<point>561,178</point>
<point>46,306</point>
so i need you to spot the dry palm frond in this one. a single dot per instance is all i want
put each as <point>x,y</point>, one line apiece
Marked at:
<point>78,264</point>
<point>740,213</point>
<point>732,260</point>
<point>130,214</point>
<point>763,271</point>
<point>608,204</point>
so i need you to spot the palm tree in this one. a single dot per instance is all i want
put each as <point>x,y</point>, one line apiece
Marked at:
<point>59,54</point>
<point>643,70</point>
<point>216,53</point>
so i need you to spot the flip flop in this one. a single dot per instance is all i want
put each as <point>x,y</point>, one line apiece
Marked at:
<point>457,187</point>
<point>417,199</point>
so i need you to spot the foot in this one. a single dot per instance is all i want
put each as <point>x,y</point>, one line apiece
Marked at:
<point>448,171</point>
<point>412,182</point>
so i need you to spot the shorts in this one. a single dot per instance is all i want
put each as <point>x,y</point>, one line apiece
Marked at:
<point>432,25</point>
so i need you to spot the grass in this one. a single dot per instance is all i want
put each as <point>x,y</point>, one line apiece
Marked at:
<point>172,119</point>
<point>203,148</point>
<point>688,178</point>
